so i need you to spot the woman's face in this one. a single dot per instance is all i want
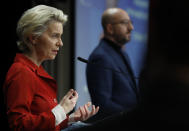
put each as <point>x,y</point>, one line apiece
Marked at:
<point>48,44</point>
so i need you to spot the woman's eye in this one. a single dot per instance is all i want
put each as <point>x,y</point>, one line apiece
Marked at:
<point>54,35</point>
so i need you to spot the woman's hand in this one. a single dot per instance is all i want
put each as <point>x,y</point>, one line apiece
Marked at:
<point>83,113</point>
<point>69,100</point>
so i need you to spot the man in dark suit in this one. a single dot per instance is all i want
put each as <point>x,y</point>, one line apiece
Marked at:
<point>110,77</point>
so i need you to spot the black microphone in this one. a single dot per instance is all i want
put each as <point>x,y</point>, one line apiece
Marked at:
<point>83,60</point>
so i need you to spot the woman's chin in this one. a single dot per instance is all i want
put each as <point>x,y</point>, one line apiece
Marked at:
<point>52,57</point>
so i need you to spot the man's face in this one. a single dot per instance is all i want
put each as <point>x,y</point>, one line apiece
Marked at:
<point>121,28</point>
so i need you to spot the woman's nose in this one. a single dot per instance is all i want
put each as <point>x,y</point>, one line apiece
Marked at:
<point>60,43</point>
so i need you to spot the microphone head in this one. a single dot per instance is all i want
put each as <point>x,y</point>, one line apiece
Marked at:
<point>82,60</point>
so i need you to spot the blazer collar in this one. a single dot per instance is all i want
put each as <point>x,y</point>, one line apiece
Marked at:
<point>27,62</point>
<point>114,51</point>
<point>112,44</point>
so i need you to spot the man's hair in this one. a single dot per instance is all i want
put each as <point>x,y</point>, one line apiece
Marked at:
<point>108,17</point>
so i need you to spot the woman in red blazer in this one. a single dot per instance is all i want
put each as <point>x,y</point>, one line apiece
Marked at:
<point>30,92</point>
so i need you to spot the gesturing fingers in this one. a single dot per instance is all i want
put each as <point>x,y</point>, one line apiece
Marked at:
<point>69,100</point>
<point>69,94</point>
<point>82,111</point>
<point>74,96</point>
<point>85,113</point>
<point>94,110</point>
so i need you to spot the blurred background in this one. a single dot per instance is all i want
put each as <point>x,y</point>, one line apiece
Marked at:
<point>159,44</point>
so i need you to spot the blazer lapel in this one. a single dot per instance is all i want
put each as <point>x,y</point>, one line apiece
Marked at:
<point>123,67</point>
<point>128,63</point>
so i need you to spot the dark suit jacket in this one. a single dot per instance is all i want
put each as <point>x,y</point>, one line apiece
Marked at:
<point>110,83</point>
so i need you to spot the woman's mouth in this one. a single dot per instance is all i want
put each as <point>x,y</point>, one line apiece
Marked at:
<point>55,51</point>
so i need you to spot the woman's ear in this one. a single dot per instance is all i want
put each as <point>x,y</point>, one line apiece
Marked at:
<point>32,39</point>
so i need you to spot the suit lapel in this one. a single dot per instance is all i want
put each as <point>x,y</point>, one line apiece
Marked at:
<point>128,63</point>
<point>119,61</point>
<point>123,68</point>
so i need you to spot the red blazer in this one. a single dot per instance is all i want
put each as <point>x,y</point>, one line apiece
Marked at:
<point>30,95</point>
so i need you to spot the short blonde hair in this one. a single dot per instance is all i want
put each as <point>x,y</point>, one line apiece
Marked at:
<point>35,21</point>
